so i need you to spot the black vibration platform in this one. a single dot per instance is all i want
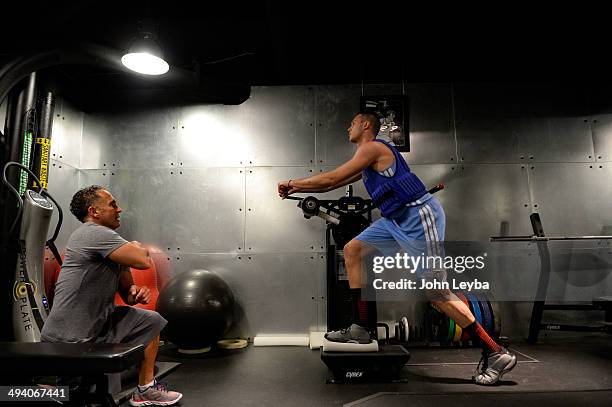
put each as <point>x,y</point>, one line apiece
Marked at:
<point>382,366</point>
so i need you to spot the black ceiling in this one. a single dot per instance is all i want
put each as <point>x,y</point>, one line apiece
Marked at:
<point>262,42</point>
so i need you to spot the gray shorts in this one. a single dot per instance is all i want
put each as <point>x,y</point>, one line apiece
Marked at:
<point>131,325</point>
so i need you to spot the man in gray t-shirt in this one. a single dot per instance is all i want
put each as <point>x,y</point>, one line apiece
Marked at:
<point>96,266</point>
<point>80,314</point>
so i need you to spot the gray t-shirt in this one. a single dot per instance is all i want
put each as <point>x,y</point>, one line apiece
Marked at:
<point>86,287</point>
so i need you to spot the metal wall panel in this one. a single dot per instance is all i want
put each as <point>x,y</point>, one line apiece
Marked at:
<point>188,210</point>
<point>521,123</point>
<point>280,123</point>
<point>139,139</point>
<point>600,104</point>
<point>276,292</point>
<point>94,149</point>
<point>209,211</point>
<point>213,136</point>
<point>66,134</point>
<point>485,200</point>
<point>335,108</point>
<point>560,139</point>
<point>63,183</point>
<point>320,279</point>
<point>573,199</point>
<point>562,132</point>
<point>432,138</point>
<point>147,198</point>
<point>95,177</point>
<point>486,130</point>
<point>276,225</point>
<point>602,136</point>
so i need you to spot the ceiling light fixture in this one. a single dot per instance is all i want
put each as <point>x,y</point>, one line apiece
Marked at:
<point>144,55</point>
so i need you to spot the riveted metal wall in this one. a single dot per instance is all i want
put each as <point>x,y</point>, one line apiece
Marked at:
<point>280,123</point>
<point>522,123</point>
<point>275,225</point>
<point>334,109</point>
<point>432,133</point>
<point>600,103</point>
<point>212,136</point>
<point>95,177</point>
<point>277,293</point>
<point>189,210</point>
<point>66,134</point>
<point>199,182</point>
<point>63,183</point>
<point>571,197</point>
<point>139,139</point>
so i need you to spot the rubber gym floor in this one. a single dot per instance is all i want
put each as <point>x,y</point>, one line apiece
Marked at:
<point>563,369</point>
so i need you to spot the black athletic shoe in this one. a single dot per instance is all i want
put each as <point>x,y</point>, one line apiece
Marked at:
<point>494,366</point>
<point>352,334</point>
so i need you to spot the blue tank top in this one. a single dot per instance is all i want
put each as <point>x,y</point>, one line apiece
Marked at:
<point>392,193</point>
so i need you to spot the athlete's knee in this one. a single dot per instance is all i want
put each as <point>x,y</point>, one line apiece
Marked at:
<point>352,250</point>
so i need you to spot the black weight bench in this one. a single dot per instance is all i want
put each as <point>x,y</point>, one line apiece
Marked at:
<point>20,361</point>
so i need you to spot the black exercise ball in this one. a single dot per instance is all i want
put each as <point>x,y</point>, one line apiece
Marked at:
<point>199,307</point>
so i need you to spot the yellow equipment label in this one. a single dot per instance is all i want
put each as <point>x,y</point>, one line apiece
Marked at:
<point>44,160</point>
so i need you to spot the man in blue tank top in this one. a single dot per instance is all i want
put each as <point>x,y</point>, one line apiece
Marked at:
<point>409,215</point>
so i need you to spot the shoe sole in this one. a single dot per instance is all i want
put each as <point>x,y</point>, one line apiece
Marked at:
<point>356,341</point>
<point>353,341</point>
<point>155,403</point>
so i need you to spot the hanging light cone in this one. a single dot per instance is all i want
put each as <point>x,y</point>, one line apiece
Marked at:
<point>145,56</point>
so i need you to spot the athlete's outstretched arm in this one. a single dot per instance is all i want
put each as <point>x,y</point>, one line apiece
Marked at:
<point>354,178</point>
<point>348,172</point>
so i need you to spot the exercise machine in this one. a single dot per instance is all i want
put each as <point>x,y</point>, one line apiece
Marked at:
<point>540,305</point>
<point>30,305</point>
<point>346,218</point>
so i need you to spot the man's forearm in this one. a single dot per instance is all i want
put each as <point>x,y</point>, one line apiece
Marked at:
<point>125,283</point>
<point>354,178</point>
<point>318,183</point>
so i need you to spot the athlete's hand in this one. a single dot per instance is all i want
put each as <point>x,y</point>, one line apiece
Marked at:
<point>284,190</point>
<point>140,295</point>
